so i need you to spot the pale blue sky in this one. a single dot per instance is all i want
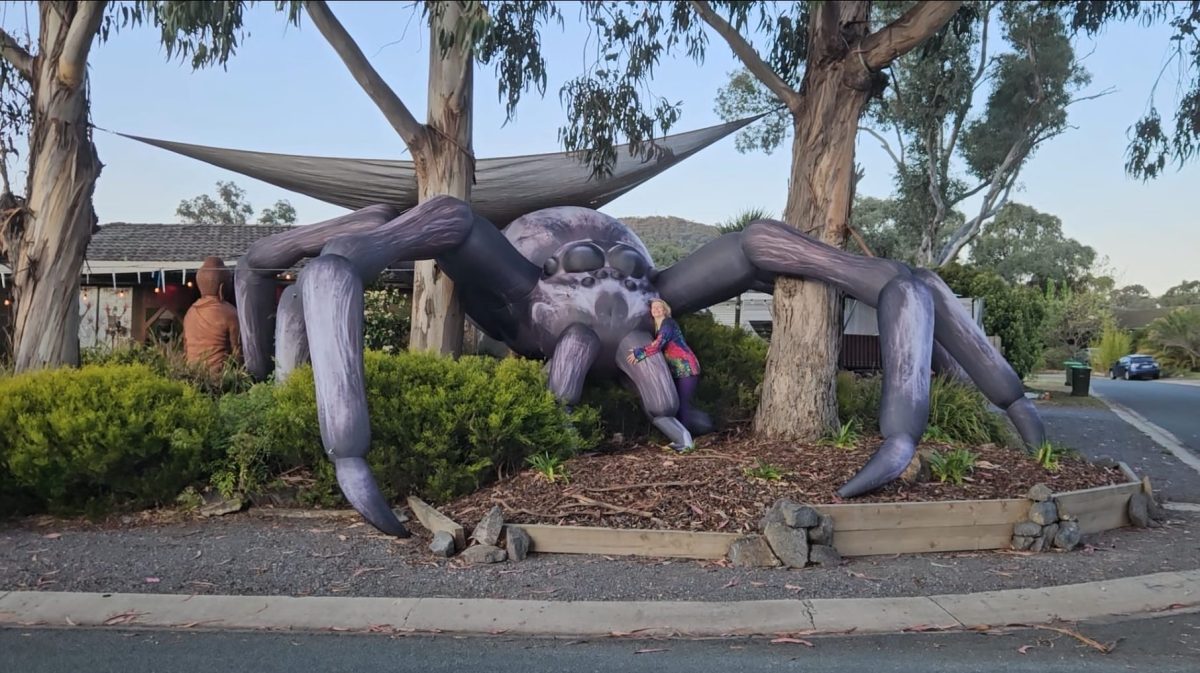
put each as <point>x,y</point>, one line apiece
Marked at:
<point>286,91</point>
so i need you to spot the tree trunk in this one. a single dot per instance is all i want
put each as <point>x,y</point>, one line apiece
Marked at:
<point>445,165</point>
<point>48,241</point>
<point>799,392</point>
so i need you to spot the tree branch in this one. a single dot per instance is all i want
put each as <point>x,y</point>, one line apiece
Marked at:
<point>902,35</point>
<point>883,141</point>
<point>14,53</point>
<point>393,109</point>
<point>72,63</point>
<point>746,53</point>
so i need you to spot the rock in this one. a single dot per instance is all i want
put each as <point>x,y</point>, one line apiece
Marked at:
<point>1105,462</point>
<point>484,553</point>
<point>1157,511</point>
<point>1043,513</point>
<point>752,551</point>
<point>1048,534</point>
<point>1039,544</point>
<point>516,542</point>
<point>822,533</point>
<point>824,555</point>
<point>789,545</point>
<point>918,470</point>
<point>1022,542</point>
<point>488,531</point>
<point>443,544</point>
<point>222,507</point>
<point>1139,510</point>
<point>1068,536</point>
<point>1040,493</point>
<point>1027,529</point>
<point>791,514</point>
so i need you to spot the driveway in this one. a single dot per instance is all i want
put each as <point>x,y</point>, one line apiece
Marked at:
<point>1174,408</point>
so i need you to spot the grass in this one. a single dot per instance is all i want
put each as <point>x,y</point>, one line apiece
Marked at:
<point>550,466</point>
<point>764,471</point>
<point>1053,392</point>
<point>845,437</point>
<point>952,466</point>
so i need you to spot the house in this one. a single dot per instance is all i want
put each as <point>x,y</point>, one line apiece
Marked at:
<point>860,325</point>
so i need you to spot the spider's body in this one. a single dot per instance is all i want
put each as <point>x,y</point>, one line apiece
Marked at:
<point>573,286</point>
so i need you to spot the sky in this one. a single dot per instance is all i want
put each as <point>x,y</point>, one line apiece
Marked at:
<point>286,91</point>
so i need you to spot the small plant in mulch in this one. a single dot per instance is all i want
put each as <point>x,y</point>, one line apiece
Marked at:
<point>1050,455</point>
<point>763,470</point>
<point>552,467</point>
<point>952,466</point>
<point>845,437</point>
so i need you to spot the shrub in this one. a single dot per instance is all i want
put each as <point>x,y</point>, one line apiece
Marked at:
<point>858,400</point>
<point>73,439</point>
<point>958,413</point>
<point>1175,340</point>
<point>1114,344</point>
<point>169,360</point>
<point>387,312</point>
<point>440,427</point>
<point>1016,314</point>
<point>952,466</point>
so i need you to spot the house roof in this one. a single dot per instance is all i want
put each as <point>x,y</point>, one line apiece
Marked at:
<point>130,242</point>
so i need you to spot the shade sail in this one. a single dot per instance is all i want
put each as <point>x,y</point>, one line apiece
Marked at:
<point>506,187</point>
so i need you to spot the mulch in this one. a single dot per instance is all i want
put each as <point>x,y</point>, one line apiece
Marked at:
<point>648,486</point>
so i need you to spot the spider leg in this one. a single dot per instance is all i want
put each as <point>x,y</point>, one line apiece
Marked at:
<point>573,356</point>
<point>655,387</point>
<point>945,364</point>
<point>291,339</point>
<point>256,271</point>
<point>968,345</point>
<point>906,340</point>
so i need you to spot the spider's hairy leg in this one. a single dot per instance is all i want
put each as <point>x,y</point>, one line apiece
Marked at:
<point>576,350</point>
<point>655,387</point>
<point>255,280</point>
<point>906,342</point>
<point>968,345</point>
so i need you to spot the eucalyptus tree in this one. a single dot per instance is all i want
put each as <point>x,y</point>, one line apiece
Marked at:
<point>821,63</point>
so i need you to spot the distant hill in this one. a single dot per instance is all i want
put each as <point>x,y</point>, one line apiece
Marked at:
<point>669,239</point>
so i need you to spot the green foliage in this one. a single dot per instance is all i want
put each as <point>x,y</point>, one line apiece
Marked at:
<point>387,313</point>
<point>1024,246</point>
<point>440,427</point>
<point>249,458</point>
<point>962,415</point>
<point>1074,318</point>
<point>738,222</point>
<point>168,360</point>
<point>99,436</point>
<point>1050,455</point>
<point>231,208</point>
<point>858,400</point>
<point>845,436</point>
<point>1175,339</point>
<point>670,239</point>
<point>1186,293</point>
<point>1015,314</point>
<point>952,466</point>
<point>550,466</point>
<point>1114,344</point>
<point>764,471</point>
<point>1132,297</point>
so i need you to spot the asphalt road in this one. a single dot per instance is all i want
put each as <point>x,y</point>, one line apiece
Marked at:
<point>1172,406</point>
<point>1163,645</point>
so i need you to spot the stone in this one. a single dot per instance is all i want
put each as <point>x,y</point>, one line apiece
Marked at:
<point>1139,510</point>
<point>822,533</point>
<point>1048,534</point>
<point>1157,512</point>
<point>791,514</point>
<point>824,555</point>
<point>1068,536</point>
<point>488,531</point>
<point>222,507</point>
<point>1039,544</point>
<point>1105,462</point>
<point>443,544</point>
<point>1027,529</point>
<point>918,470</point>
<point>1022,542</point>
<point>1040,493</point>
<point>484,553</point>
<point>752,551</point>
<point>789,545</point>
<point>516,543</point>
<point>1043,513</point>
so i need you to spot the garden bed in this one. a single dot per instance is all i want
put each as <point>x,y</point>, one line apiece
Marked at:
<point>731,479</point>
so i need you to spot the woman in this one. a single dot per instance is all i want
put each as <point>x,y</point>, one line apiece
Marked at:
<point>685,368</point>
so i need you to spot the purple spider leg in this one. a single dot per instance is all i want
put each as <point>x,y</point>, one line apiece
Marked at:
<point>655,387</point>
<point>576,350</point>
<point>291,339</point>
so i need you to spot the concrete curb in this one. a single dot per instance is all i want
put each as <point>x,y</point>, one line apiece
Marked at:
<point>1158,434</point>
<point>1126,596</point>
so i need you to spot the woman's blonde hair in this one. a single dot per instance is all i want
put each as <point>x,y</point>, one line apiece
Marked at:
<point>665,305</point>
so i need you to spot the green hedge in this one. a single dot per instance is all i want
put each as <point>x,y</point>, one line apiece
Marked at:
<point>440,427</point>
<point>84,439</point>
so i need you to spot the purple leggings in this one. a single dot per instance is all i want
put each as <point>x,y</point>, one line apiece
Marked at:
<point>686,387</point>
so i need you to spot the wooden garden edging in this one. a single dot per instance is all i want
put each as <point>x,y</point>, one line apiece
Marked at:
<point>859,529</point>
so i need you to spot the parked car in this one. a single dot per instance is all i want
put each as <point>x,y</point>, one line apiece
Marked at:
<point>1135,367</point>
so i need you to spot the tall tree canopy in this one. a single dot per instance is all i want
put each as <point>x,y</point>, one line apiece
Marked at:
<point>230,207</point>
<point>1025,246</point>
<point>1186,293</point>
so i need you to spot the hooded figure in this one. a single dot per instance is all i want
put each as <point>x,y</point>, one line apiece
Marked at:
<point>210,328</point>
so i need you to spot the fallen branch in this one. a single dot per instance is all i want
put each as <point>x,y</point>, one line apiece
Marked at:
<point>651,484</point>
<point>618,508</point>
<point>1096,645</point>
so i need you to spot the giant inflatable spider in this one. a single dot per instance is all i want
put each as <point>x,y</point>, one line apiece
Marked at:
<point>573,285</point>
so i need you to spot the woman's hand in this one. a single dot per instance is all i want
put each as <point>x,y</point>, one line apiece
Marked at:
<point>630,358</point>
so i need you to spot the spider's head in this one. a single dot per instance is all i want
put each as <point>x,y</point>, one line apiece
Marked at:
<point>603,284</point>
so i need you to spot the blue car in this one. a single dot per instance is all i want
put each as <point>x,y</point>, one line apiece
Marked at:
<point>1135,367</point>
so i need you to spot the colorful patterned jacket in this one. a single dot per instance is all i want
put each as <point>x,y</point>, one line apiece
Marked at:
<point>669,341</point>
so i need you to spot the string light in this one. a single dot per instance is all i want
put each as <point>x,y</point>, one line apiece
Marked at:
<point>7,302</point>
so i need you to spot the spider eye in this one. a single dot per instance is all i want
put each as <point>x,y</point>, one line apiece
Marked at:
<point>583,257</point>
<point>628,261</point>
<point>550,267</point>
